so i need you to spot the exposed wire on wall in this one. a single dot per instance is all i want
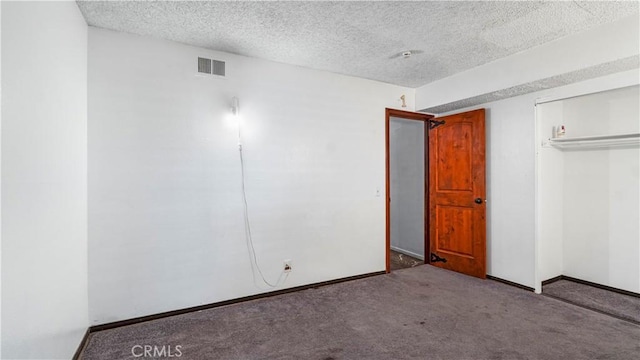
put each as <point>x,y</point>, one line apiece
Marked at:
<point>247,223</point>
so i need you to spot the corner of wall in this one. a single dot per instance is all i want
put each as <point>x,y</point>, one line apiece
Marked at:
<point>43,167</point>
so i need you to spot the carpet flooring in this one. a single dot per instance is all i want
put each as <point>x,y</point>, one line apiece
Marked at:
<point>418,313</point>
<point>620,305</point>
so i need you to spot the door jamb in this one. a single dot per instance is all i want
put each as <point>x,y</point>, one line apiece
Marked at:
<point>407,115</point>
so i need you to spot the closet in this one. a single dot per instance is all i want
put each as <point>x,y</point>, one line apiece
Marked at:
<point>589,189</point>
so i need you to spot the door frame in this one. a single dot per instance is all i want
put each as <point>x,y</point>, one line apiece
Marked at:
<point>407,115</point>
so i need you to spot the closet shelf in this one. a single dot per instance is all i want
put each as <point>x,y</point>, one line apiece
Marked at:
<point>600,141</point>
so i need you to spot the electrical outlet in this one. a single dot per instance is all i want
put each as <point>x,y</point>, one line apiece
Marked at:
<point>287,265</point>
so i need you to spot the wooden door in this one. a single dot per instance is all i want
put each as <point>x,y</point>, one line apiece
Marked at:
<point>457,208</point>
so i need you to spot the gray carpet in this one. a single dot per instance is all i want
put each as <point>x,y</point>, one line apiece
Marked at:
<point>416,313</point>
<point>620,305</point>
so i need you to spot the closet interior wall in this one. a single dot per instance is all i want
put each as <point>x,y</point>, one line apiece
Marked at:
<point>589,197</point>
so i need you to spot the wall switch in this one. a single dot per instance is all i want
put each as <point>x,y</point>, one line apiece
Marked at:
<point>287,265</point>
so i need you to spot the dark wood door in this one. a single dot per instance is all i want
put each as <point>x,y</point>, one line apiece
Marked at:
<point>457,207</point>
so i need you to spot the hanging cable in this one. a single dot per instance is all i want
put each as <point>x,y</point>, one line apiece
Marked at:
<point>247,224</point>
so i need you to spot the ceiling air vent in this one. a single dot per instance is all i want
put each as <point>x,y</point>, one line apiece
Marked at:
<point>213,67</point>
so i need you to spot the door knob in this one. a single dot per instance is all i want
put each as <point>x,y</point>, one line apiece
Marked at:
<point>478,201</point>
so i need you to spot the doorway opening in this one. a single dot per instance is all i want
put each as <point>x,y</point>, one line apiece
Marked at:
<point>407,238</point>
<point>436,189</point>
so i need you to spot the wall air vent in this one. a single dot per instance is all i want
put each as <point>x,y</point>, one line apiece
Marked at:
<point>204,65</point>
<point>212,67</point>
<point>218,67</point>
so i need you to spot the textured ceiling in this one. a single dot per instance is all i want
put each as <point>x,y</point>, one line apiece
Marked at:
<point>361,38</point>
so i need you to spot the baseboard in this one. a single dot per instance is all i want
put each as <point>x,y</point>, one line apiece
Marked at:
<point>408,253</point>
<point>117,324</point>
<point>589,283</point>
<point>510,283</point>
<point>552,280</point>
<point>600,286</point>
<point>83,344</point>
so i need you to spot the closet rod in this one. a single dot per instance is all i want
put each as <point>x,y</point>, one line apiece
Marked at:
<point>597,141</point>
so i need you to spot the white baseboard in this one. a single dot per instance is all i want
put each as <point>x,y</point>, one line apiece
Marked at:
<point>406,252</point>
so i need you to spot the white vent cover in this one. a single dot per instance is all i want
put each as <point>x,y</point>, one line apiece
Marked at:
<point>209,66</point>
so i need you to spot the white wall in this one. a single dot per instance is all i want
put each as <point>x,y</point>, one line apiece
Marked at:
<point>511,177</point>
<point>44,204</point>
<point>407,179</point>
<point>166,229</point>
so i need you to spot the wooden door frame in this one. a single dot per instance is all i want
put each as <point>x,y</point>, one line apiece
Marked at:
<point>407,115</point>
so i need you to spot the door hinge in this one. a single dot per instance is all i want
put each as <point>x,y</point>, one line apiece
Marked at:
<point>436,258</point>
<point>435,123</point>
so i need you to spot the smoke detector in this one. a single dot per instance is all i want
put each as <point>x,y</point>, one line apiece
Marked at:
<point>406,54</point>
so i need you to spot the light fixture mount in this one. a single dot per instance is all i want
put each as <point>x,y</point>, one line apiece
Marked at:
<point>235,106</point>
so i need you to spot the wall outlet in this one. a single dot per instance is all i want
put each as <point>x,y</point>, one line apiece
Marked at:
<point>287,265</point>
